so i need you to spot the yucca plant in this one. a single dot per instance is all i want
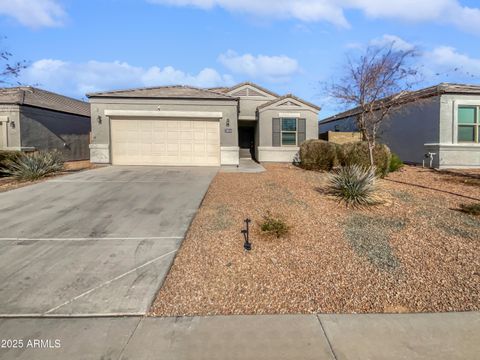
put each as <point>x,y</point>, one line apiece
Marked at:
<point>355,185</point>
<point>35,166</point>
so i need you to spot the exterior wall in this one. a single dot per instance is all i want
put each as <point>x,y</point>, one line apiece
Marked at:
<point>266,150</point>
<point>406,131</point>
<point>10,135</point>
<point>44,129</point>
<point>248,104</point>
<point>100,147</point>
<point>248,107</point>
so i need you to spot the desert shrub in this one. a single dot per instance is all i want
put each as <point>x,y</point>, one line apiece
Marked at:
<point>35,166</point>
<point>5,157</point>
<point>395,163</point>
<point>272,225</point>
<point>354,184</point>
<point>318,155</point>
<point>472,209</point>
<point>356,153</point>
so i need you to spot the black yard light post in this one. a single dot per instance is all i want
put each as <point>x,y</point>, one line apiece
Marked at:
<point>247,244</point>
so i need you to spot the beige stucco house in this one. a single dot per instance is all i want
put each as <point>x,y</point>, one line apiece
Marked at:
<point>183,125</point>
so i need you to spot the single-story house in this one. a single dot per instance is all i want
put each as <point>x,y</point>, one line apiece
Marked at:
<point>34,119</point>
<point>442,120</point>
<point>183,125</point>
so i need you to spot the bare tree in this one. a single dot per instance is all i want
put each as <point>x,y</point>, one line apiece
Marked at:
<point>375,83</point>
<point>9,70</point>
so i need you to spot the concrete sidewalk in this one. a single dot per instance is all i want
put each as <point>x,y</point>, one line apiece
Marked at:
<point>410,336</point>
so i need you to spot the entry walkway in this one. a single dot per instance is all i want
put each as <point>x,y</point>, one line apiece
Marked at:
<point>245,166</point>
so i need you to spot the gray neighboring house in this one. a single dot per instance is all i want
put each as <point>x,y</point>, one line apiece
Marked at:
<point>442,119</point>
<point>34,119</point>
<point>183,125</point>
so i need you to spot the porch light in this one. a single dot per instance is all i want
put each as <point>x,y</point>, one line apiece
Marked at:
<point>227,123</point>
<point>247,245</point>
<point>12,124</point>
<point>99,120</point>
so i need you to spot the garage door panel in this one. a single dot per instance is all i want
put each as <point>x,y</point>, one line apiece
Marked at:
<point>165,142</point>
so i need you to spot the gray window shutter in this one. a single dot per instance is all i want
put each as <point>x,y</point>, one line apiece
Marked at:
<point>301,123</point>
<point>276,141</point>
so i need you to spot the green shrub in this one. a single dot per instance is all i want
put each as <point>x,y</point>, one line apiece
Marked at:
<point>35,166</point>
<point>356,153</point>
<point>5,157</point>
<point>472,209</point>
<point>354,184</point>
<point>274,226</point>
<point>395,163</point>
<point>318,155</point>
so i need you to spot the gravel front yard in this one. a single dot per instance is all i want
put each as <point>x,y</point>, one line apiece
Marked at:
<point>414,253</point>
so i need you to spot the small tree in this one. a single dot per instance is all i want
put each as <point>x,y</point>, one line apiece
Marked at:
<point>9,70</point>
<point>375,83</point>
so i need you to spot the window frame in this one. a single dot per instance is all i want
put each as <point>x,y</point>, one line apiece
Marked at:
<point>288,132</point>
<point>475,125</point>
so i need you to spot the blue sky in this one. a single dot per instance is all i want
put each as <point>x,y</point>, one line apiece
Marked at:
<point>74,47</point>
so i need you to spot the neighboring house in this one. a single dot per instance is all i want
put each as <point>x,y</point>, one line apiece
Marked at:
<point>443,120</point>
<point>34,119</point>
<point>182,125</point>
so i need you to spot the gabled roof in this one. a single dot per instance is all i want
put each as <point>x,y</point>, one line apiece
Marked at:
<point>165,92</point>
<point>27,95</point>
<point>289,96</point>
<point>411,96</point>
<point>253,85</point>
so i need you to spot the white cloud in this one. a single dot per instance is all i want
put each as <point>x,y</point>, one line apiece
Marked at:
<point>446,62</point>
<point>396,42</point>
<point>333,11</point>
<point>34,13</point>
<point>76,79</point>
<point>270,68</point>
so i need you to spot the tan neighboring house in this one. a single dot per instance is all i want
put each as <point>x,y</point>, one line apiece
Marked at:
<point>34,119</point>
<point>183,125</point>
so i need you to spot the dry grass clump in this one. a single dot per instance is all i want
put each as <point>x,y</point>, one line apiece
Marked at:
<point>472,209</point>
<point>272,225</point>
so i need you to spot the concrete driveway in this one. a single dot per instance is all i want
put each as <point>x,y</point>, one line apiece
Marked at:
<point>98,242</point>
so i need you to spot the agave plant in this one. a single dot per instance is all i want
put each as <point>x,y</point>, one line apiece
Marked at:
<point>355,185</point>
<point>35,166</point>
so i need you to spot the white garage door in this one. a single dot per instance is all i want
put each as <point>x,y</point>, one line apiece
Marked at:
<point>165,142</point>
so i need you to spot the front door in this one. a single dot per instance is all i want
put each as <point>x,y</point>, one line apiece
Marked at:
<point>246,141</point>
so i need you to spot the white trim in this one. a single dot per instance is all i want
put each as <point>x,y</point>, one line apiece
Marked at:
<point>166,114</point>
<point>247,117</point>
<point>289,115</point>
<point>466,146</point>
<point>303,106</point>
<point>277,153</point>
<point>4,133</point>
<point>229,155</point>
<point>99,153</point>
<point>456,105</point>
